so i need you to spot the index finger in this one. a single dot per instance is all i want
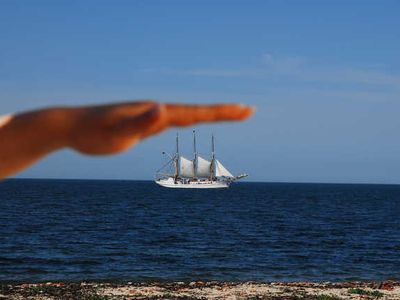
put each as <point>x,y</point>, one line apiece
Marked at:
<point>185,114</point>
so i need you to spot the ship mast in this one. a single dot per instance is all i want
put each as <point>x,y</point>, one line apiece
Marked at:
<point>177,158</point>
<point>212,173</point>
<point>195,155</point>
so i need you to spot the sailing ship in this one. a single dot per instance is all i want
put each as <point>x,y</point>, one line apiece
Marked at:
<point>195,173</point>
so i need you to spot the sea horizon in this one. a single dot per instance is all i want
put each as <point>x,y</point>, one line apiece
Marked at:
<point>235,183</point>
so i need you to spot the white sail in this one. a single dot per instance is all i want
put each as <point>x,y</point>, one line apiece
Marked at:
<point>186,167</point>
<point>198,173</point>
<point>203,167</point>
<point>220,170</point>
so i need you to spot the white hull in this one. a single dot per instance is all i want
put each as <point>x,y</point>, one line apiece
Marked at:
<point>183,173</point>
<point>170,183</point>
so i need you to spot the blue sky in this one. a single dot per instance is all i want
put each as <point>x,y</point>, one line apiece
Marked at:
<point>324,75</point>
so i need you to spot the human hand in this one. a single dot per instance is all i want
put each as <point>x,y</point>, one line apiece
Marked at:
<point>95,130</point>
<point>113,128</point>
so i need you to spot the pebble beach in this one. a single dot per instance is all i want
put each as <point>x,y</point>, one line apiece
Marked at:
<point>388,290</point>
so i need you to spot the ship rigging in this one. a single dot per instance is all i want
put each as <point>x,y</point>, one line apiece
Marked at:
<point>195,173</point>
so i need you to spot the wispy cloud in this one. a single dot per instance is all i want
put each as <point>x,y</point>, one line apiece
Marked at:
<point>306,70</point>
<point>214,72</point>
<point>296,68</point>
<point>290,64</point>
<point>201,72</point>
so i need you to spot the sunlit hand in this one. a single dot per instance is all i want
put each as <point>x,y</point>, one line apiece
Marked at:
<point>104,129</point>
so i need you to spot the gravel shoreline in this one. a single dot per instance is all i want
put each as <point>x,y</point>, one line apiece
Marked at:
<point>387,290</point>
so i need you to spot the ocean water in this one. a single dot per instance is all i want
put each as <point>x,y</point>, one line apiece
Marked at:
<point>135,230</point>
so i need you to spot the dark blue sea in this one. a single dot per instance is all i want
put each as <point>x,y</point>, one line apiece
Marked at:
<point>75,230</point>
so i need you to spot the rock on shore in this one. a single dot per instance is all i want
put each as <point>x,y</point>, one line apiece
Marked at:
<point>388,290</point>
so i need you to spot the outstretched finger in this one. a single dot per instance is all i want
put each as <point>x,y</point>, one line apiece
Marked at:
<point>185,115</point>
<point>162,116</point>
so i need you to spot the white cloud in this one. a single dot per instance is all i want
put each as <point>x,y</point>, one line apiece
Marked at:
<point>290,64</point>
<point>212,72</point>
<point>299,69</point>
